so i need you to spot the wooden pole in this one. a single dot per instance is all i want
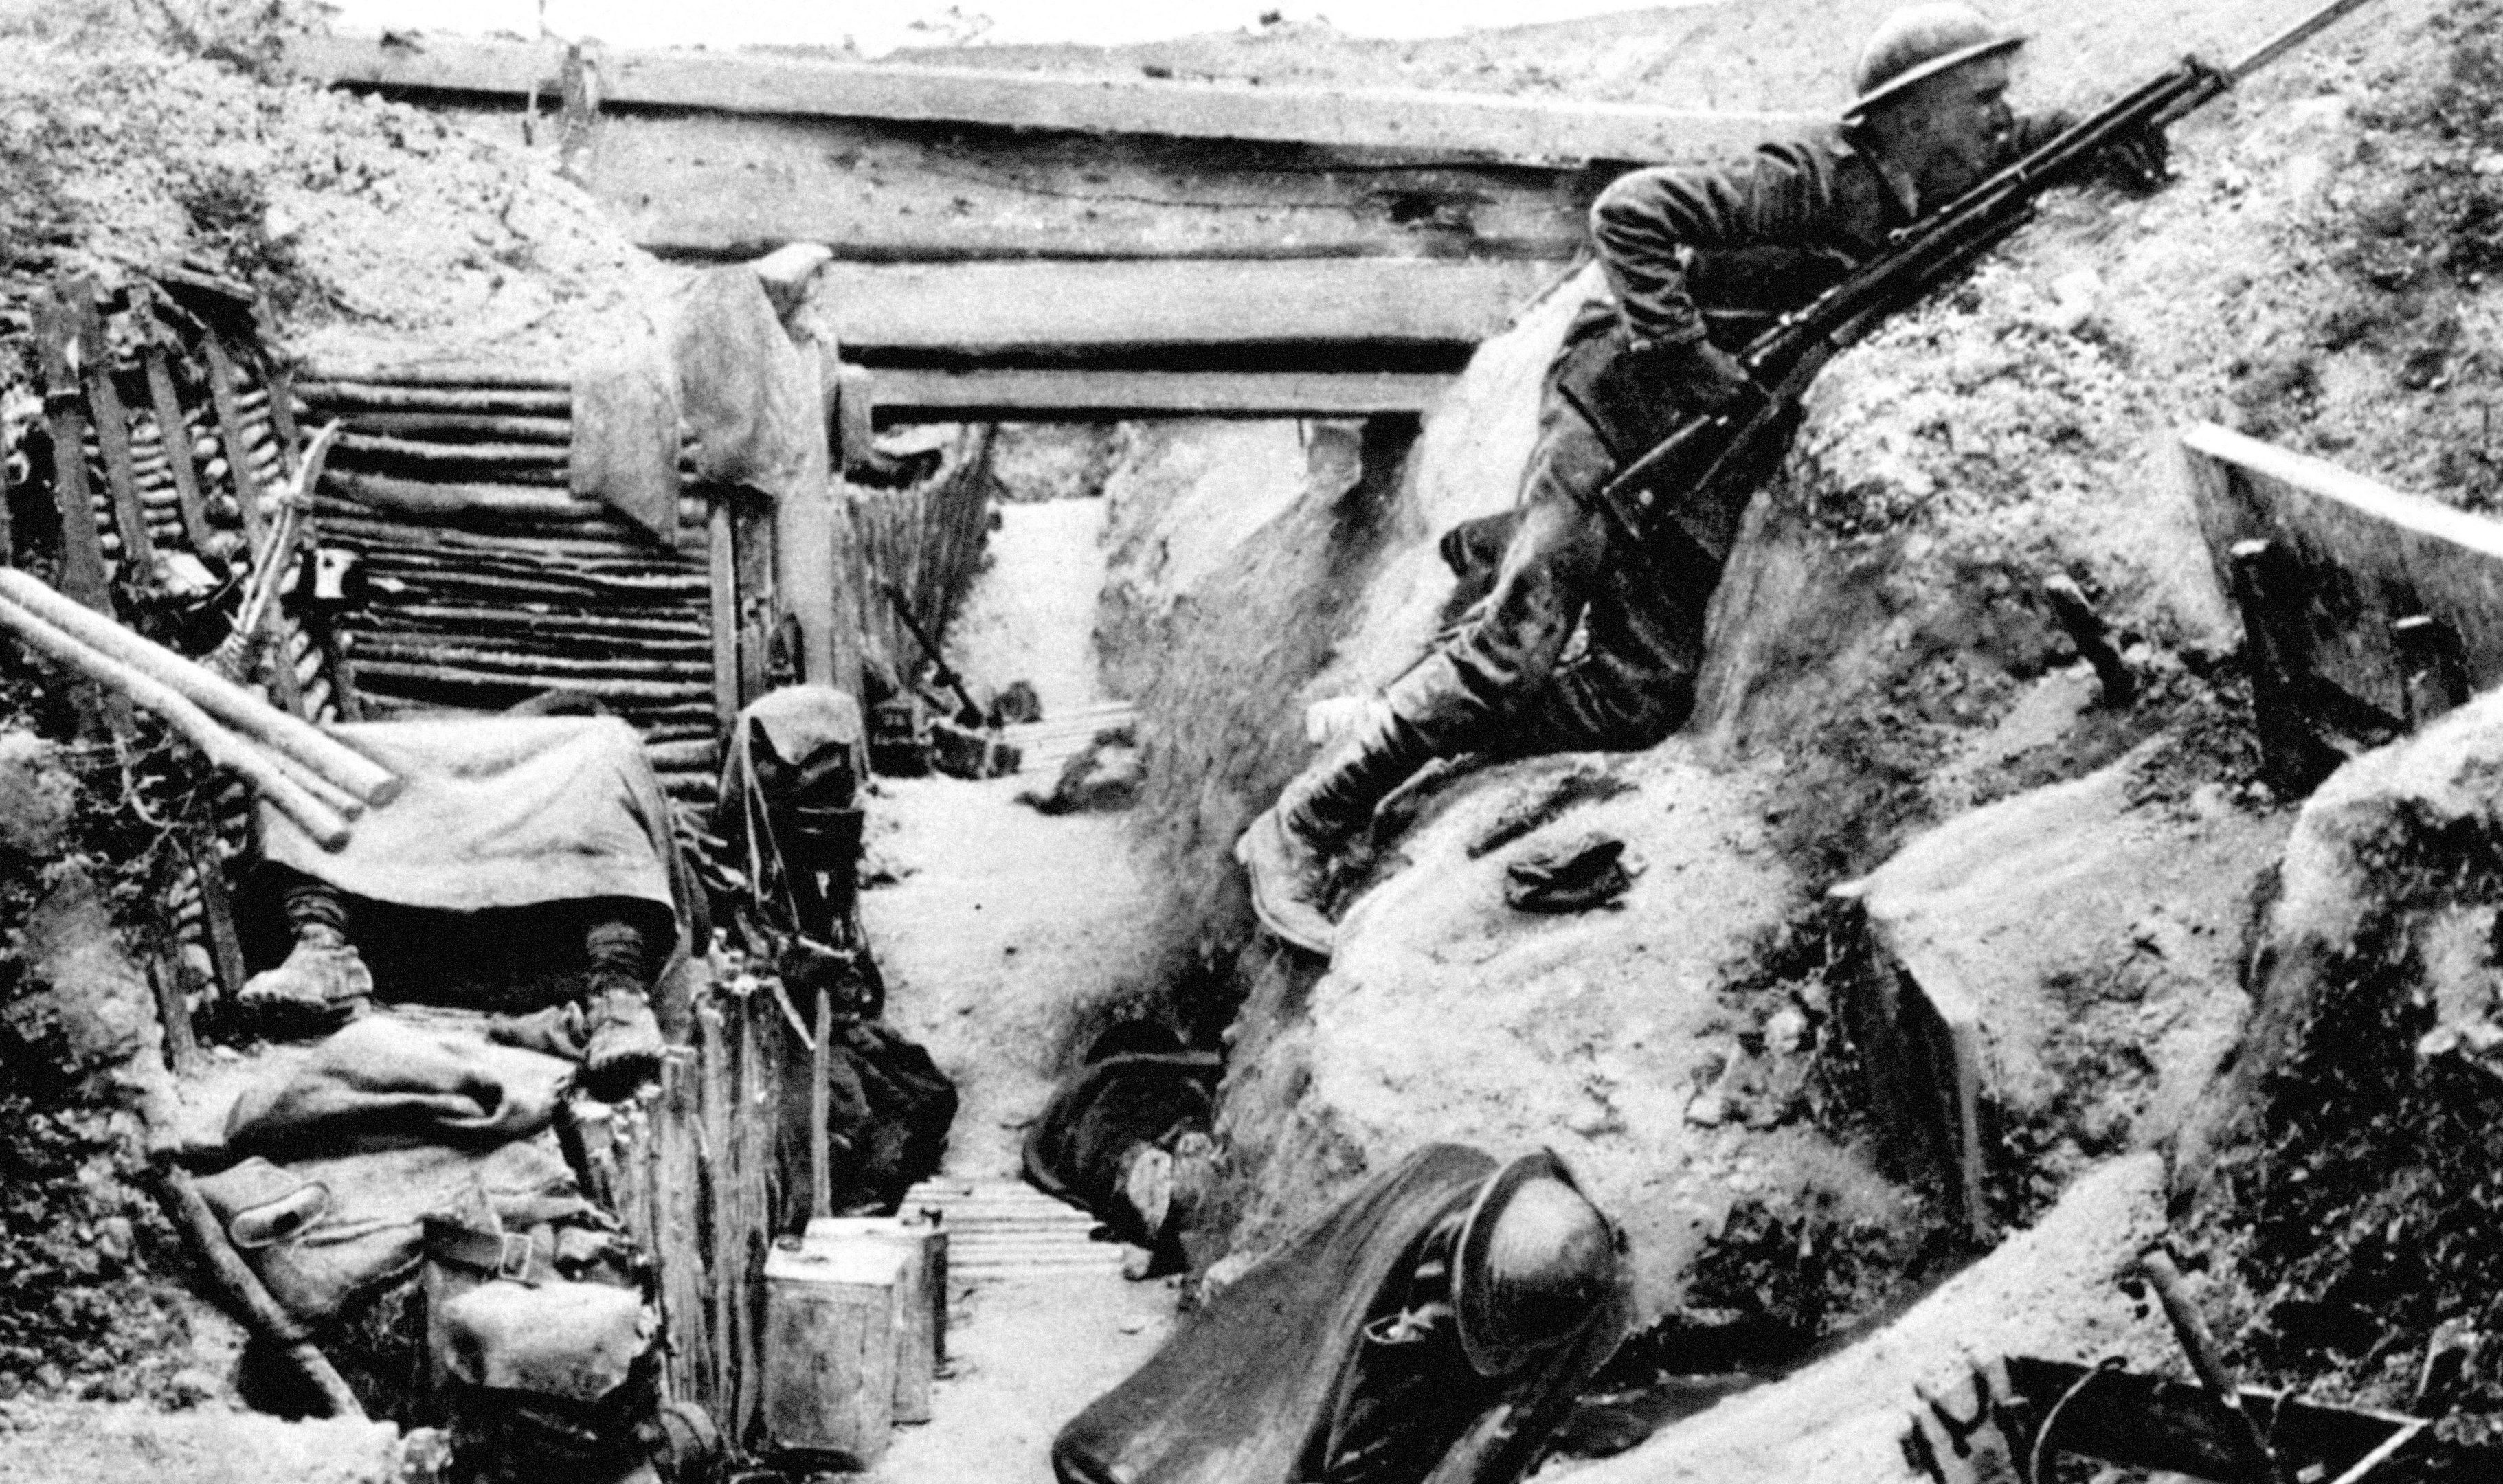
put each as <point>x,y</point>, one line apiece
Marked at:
<point>821,1174</point>
<point>232,705</point>
<point>112,433</point>
<point>173,435</point>
<point>2210,1366</point>
<point>216,909</point>
<point>191,1216</point>
<point>220,746</point>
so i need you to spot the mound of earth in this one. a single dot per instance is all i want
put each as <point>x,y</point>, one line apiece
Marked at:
<point>2345,1175</point>
<point>377,230</point>
<point>1884,661</point>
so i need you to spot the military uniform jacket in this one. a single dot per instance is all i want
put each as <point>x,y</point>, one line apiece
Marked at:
<point>1718,253</point>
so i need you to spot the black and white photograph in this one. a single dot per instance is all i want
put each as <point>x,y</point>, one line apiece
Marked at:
<point>1250,741</point>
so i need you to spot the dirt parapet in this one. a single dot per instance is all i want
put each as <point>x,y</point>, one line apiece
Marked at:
<point>2344,1175</point>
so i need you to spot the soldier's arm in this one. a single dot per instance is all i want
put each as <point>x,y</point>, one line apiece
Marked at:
<point>1642,223</point>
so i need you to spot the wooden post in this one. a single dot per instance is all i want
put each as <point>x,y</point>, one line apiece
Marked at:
<point>112,433</point>
<point>821,1174</point>
<point>83,572</point>
<point>174,1014</point>
<point>236,434</point>
<point>173,430</point>
<point>243,1289</point>
<point>716,1109</point>
<point>217,909</point>
<point>722,551</point>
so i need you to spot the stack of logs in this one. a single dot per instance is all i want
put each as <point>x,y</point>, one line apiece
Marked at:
<point>488,582</point>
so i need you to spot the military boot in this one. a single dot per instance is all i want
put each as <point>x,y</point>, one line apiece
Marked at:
<point>1286,852</point>
<point>624,1050</point>
<point>323,981</point>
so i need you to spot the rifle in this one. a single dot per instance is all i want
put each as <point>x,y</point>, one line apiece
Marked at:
<point>1937,248</point>
<point>969,712</point>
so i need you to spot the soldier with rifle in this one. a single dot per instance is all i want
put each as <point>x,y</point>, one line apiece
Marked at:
<point>1653,434</point>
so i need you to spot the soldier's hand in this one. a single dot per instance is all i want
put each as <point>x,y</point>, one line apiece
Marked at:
<point>1703,375</point>
<point>2139,164</point>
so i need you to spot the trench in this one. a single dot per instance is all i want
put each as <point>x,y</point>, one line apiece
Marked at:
<point>1011,939</point>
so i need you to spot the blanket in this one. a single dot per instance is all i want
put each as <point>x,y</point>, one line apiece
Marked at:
<point>501,811</point>
<point>1241,1393</point>
<point>1074,1149</point>
<point>384,1084</point>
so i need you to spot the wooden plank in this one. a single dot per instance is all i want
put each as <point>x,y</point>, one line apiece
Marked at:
<point>83,572</point>
<point>993,307</point>
<point>733,186</point>
<point>174,436</point>
<point>2361,556</point>
<point>113,438</point>
<point>908,395</point>
<point>1409,119</point>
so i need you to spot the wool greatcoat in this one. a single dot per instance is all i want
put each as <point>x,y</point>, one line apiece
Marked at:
<point>1687,254</point>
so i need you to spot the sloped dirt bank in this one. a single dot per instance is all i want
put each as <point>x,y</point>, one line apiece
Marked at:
<point>1840,1420</point>
<point>2345,1176</point>
<point>1884,661</point>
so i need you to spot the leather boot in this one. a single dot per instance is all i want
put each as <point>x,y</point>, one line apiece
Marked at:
<point>624,1052</point>
<point>1286,852</point>
<point>323,981</point>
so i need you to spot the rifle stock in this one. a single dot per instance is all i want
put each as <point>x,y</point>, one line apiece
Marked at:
<point>1938,248</point>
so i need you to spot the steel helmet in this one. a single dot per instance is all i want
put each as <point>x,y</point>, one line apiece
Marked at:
<point>1917,42</point>
<point>1535,1261</point>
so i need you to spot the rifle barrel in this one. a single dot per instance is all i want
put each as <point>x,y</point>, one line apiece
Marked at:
<point>2292,37</point>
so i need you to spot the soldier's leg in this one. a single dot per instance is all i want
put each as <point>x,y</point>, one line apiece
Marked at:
<point>624,1050</point>
<point>323,975</point>
<point>1634,683</point>
<point>1455,701</point>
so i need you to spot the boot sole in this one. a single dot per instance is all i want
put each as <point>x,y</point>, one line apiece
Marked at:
<point>1291,922</point>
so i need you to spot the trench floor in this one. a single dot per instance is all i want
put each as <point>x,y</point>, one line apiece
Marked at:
<point>1004,938</point>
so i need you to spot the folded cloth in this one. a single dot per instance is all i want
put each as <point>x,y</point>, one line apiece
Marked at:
<point>501,811</point>
<point>754,402</point>
<point>625,448</point>
<point>384,1084</point>
<point>1575,876</point>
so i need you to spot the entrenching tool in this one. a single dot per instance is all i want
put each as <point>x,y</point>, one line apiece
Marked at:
<point>1653,500</point>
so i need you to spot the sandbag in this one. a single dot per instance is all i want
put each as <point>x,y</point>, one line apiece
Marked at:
<point>371,1230</point>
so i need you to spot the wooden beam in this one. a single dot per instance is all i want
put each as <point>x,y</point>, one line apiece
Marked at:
<point>1402,118</point>
<point>2357,557</point>
<point>1024,395</point>
<point>723,186</point>
<point>1000,307</point>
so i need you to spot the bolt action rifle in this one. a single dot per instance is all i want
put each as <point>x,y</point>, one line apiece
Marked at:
<point>1782,362</point>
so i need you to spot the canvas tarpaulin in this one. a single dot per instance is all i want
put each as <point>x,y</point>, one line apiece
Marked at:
<point>717,368</point>
<point>501,811</point>
<point>1239,1393</point>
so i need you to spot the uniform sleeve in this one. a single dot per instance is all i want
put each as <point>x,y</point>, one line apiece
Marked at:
<point>1642,224</point>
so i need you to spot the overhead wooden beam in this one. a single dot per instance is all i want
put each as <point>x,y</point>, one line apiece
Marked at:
<point>1483,125</point>
<point>976,308</point>
<point>1042,395</point>
<point>731,186</point>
